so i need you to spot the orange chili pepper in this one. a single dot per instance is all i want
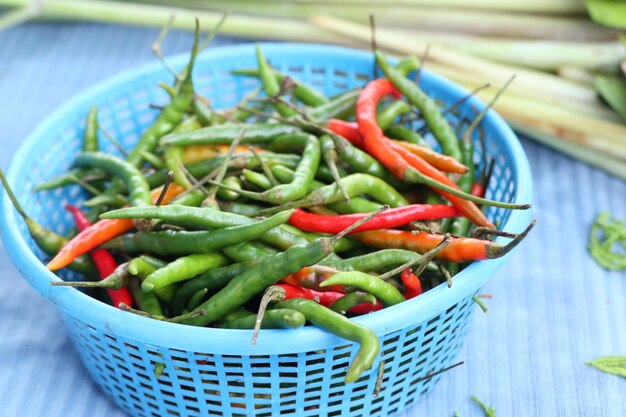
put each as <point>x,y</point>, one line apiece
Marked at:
<point>460,249</point>
<point>102,231</point>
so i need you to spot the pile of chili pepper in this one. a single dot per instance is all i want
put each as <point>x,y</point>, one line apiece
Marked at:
<point>284,195</point>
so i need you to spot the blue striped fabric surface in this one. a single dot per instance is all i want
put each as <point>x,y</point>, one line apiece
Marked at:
<point>552,309</point>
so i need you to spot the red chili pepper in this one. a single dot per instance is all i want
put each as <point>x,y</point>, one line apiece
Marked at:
<point>350,131</point>
<point>326,298</point>
<point>391,218</point>
<point>478,190</point>
<point>398,160</point>
<point>412,284</point>
<point>102,258</point>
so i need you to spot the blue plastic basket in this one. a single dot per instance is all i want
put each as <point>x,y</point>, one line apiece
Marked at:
<point>215,371</point>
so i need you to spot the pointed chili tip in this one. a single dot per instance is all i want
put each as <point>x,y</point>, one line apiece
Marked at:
<point>495,250</point>
<point>56,263</point>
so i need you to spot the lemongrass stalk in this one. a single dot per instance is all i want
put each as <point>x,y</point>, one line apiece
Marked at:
<point>18,16</point>
<point>541,83</point>
<point>471,80</point>
<point>577,74</point>
<point>482,22</point>
<point>573,125</point>
<point>597,134</point>
<point>601,160</point>
<point>542,55</point>
<point>530,6</point>
<point>149,15</point>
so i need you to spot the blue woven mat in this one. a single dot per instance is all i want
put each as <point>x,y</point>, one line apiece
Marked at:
<point>552,309</point>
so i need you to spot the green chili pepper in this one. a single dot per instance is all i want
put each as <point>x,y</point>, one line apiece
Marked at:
<point>197,299</point>
<point>48,241</point>
<point>379,261</point>
<point>283,318</point>
<point>340,107</point>
<point>407,65</point>
<point>143,266</point>
<point>304,92</point>
<point>204,115</point>
<point>249,251</point>
<point>172,114</point>
<point>256,178</point>
<point>363,162</point>
<point>270,84</point>
<point>244,209</point>
<point>117,280</point>
<point>205,217</point>
<point>356,205</point>
<point>182,269</point>
<point>144,300</point>
<point>406,134</point>
<point>438,124</point>
<point>90,138</point>
<point>345,303</point>
<point>386,116</point>
<point>343,327</point>
<point>382,290</point>
<point>135,182</point>
<point>226,133</point>
<point>211,280</point>
<point>354,184</point>
<point>234,182</point>
<point>267,272</point>
<point>169,242</point>
<point>302,177</point>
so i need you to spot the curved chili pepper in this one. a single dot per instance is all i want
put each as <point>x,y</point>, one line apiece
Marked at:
<point>383,291</point>
<point>460,249</point>
<point>326,298</point>
<point>353,300</point>
<point>102,258</point>
<point>405,165</point>
<point>437,123</point>
<point>412,284</point>
<point>391,218</point>
<point>182,269</point>
<point>350,131</point>
<point>343,327</point>
<point>100,232</point>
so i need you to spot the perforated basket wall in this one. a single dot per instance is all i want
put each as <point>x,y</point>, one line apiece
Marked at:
<point>215,371</point>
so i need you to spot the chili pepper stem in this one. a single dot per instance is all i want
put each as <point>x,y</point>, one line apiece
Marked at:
<point>422,261</point>
<point>12,197</point>
<point>496,251</point>
<point>379,379</point>
<point>446,272</point>
<point>166,186</point>
<point>480,303</point>
<point>432,374</point>
<point>334,239</point>
<point>273,294</point>
<point>191,315</point>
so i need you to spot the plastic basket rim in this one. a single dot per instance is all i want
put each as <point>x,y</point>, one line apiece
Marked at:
<point>222,341</point>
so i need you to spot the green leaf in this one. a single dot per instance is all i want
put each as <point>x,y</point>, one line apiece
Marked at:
<point>608,12</point>
<point>612,89</point>
<point>611,364</point>
<point>489,411</point>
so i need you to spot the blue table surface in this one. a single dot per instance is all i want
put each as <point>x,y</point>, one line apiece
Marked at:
<point>552,309</point>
